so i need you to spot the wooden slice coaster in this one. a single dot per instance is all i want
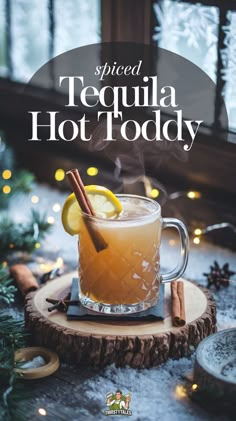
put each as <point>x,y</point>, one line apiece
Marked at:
<point>136,343</point>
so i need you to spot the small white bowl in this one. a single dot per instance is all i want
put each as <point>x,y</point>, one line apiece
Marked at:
<point>215,365</point>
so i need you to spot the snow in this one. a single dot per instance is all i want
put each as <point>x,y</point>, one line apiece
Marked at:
<point>158,393</point>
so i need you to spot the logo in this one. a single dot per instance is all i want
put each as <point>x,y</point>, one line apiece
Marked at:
<point>118,404</point>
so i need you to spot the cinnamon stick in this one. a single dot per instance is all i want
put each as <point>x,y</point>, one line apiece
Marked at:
<point>81,184</point>
<point>86,207</point>
<point>177,302</point>
<point>24,278</point>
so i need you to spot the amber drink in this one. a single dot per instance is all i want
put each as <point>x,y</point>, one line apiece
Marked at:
<point>124,277</point>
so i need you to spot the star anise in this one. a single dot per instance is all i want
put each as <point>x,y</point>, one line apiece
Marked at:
<point>61,304</point>
<point>219,276</point>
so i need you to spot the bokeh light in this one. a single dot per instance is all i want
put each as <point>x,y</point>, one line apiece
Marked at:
<point>194,195</point>
<point>56,207</point>
<point>59,174</point>
<point>34,199</point>
<point>42,412</point>
<point>50,220</point>
<point>6,189</point>
<point>6,174</point>
<point>196,240</point>
<point>180,391</point>
<point>92,171</point>
<point>154,193</point>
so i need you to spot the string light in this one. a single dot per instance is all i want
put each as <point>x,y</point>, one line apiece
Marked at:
<point>197,231</point>
<point>177,194</point>
<point>221,225</point>
<point>181,391</point>
<point>194,387</point>
<point>42,412</point>
<point>92,171</point>
<point>59,262</point>
<point>56,207</point>
<point>59,174</point>
<point>194,195</point>
<point>50,220</point>
<point>6,174</point>
<point>154,193</point>
<point>37,245</point>
<point>6,189</point>
<point>34,199</point>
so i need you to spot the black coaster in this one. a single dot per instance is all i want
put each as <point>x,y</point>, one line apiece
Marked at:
<point>79,312</point>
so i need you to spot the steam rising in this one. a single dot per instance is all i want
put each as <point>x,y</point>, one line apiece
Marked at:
<point>134,159</point>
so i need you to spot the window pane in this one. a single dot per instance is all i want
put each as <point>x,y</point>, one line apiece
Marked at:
<point>190,30</point>
<point>228,55</point>
<point>30,37</point>
<point>3,56</point>
<point>77,23</point>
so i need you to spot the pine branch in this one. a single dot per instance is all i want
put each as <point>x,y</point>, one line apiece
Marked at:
<point>22,237</point>
<point>12,337</point>
<point>18,181</point>
<point>7,291</point>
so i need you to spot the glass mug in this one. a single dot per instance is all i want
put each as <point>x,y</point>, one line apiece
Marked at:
<point>125,277</point>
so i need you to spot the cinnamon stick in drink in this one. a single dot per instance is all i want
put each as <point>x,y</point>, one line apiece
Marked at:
<point>81,184</point>
<point>177,303</point>
<point>86,207</point>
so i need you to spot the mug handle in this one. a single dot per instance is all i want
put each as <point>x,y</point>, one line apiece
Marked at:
<point>180,268</point>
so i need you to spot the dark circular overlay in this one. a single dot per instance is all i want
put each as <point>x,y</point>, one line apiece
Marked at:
<point>123,97</point>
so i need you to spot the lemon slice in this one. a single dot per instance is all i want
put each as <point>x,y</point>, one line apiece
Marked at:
<point>71,214</point>
<point>104,202</point>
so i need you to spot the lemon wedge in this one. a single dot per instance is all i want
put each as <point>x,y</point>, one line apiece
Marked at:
<point>104,202</point>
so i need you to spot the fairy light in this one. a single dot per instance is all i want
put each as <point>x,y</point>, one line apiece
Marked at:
<point>92,171</point>
<point>34,199</point>
<point>196,240</point>
<point>56,207</point>
<point>50,220</point>
<point>48,266</point>
<point>194,387</point>
<point>178,194</point>
<point>154,193</point>
<point>59,174</point>
<point>42,412</point>
<point>37,245</point>
<point>180,391</point>
<point>59,262</point>
<point>194,195</point>
<point>197,231</point>
<point>6,174</point>
<point>222,225</point>
<point>6,189</point>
